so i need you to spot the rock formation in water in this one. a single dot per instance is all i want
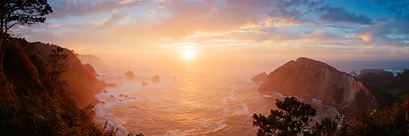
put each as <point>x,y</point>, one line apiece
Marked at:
<point>144,83</point>
<point>155,78</point>
<point>353,73</point>
<point>308,78</point>
<point>90,69</point>
<point>260,77</point>
<point>129,74</point>
<point>364,71</point>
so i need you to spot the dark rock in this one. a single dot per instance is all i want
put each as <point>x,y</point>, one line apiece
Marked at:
<point>105,91</point>
<point>112,96</point>
<point>130,74</point>
<point>120,100</point>
<point>144,83</point>
<point>126,95</point>
<point>372,78</point>
<point>155,78</point>
<point>353,73</point>
<point>102,102</point>
<point>260,77</point>
<point>120,95</point>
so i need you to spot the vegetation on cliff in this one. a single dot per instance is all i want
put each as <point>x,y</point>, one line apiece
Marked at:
<point>29,107</point>
<point>389,91</point>
<point>293,116</point>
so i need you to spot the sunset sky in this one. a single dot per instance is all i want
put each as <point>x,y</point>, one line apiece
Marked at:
<point>286,29</point>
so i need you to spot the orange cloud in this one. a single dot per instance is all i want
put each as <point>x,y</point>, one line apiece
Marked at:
<point>366,37</point>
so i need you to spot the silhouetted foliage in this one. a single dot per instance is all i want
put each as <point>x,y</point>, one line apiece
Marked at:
<point>21,12</point>
<point>58,65</point>
<point>391,121</point>
<point>28,108</point>
<point>291,119</point>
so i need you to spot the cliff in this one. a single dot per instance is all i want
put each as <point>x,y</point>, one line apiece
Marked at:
<point>28,106</point>
<point>308,78</point>
<point>80,84</point>
<point>375,78</point>
<point>90,69</point>
<point>91,59</point>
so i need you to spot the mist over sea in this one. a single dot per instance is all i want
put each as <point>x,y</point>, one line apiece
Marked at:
<point>194,99</point>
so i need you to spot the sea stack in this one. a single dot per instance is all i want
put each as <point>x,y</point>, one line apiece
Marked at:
<point>144,83</point>
<point>130,74</point>
<point>155,78</point>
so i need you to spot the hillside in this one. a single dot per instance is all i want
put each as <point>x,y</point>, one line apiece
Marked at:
<point>80,84</point>
<point>309,78</point>
<point>28,107</point>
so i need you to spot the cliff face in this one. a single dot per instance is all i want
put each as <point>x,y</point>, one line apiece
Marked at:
<point>81,85</point>
<point>308,78</point>
<point>27,105</point>
<point>91,59</point>
<point>375,78</point>
<point>90,69</point>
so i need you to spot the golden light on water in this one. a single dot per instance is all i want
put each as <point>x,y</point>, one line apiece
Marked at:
<point>188,53</point>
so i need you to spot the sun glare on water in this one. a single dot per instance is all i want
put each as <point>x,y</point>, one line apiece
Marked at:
<point>188,53</point>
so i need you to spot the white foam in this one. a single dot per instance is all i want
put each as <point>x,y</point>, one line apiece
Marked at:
<point>317,102</point>
<point>231,97</point>
<point>245,108</point>
<point>205,123</point>
<point>277,94</point>
<point>265,95</point>
<point>220,126</point>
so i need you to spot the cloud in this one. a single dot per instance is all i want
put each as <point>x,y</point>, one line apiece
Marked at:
<point>270,35</point>
<point>112,21</point>
<point>64,9</point>
<point>385,33</point>
<point>337,14</point>
<point>395,7</point>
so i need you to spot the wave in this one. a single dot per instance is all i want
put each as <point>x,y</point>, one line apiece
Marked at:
<point>231,97</point>
<point>220,126</point>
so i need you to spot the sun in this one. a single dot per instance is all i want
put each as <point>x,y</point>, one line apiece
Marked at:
<point>188,53</point>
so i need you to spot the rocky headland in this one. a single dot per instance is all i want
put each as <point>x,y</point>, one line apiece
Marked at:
<point>260,77</point>
<point>375,78</point>
<point>307,78</point>
<point>90,69</point>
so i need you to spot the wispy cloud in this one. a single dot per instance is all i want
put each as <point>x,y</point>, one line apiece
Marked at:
<point>73,8</point>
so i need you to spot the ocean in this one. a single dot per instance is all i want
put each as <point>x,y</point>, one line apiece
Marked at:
<point>193,99</point>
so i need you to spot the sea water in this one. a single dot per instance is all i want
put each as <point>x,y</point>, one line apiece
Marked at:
<point>189,100</point>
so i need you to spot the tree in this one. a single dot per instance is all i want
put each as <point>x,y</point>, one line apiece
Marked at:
<point>291,119</point>
<point>13,12</point>
<point>58,65</point>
